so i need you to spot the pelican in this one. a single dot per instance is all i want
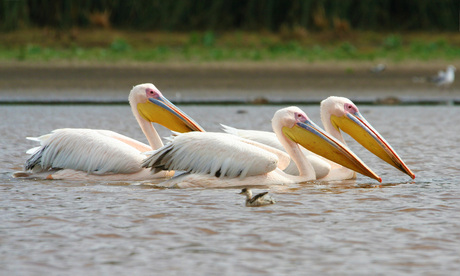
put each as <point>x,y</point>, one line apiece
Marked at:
<point>338,113</point>
<point>224,160</point>
<point>73,153</point>
<point>261,199</point>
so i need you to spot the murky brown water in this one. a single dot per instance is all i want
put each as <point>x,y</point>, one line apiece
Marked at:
<point>341,228</point>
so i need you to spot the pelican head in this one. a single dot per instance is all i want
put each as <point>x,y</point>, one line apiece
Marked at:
<point>152,106</point>
<point>344,115</point>
<point>296,126</point>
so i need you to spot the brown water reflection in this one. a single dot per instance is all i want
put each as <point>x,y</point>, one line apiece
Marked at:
<point>361,227</point>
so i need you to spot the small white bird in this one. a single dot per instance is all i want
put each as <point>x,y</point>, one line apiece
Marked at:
<point>261,199</point>
<point>444,79</point>
<point>378,68</point>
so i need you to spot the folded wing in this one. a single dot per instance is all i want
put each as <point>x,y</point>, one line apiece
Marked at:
<point>217,154</point>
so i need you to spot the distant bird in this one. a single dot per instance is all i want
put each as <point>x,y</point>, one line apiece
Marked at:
<point>444,79</point>
<point>261,199</point>
<point>379,68</point>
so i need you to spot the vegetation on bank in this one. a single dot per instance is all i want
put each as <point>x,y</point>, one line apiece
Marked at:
<point>229,30</point>
<point>289,44</point>
<point>230,15</point>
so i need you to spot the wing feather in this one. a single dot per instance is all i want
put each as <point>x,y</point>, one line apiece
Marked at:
<point>218,154</point>
<point>265,140</point>
<point>258,196</point>
<point>265,137</point>
<point>92,151</point>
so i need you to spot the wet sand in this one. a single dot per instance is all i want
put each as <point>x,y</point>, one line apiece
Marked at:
<point>223,82</point>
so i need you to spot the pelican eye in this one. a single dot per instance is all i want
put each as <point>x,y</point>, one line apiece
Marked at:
<point>351,108</point>
<point>300,117</point>
<point>151,93</point>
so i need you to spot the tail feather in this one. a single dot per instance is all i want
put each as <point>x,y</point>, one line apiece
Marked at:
<point>35,160</point>
<point>158,161</point>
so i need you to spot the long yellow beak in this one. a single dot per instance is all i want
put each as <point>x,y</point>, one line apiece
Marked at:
<point>161,111</point>
<point>316,140</point>
<point>358,128</point>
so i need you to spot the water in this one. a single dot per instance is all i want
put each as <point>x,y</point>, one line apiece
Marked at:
<point>357,227</point>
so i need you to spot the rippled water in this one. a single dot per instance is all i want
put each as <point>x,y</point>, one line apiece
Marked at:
<point>341,228</point>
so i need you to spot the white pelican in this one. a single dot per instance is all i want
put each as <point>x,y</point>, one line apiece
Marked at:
<point>261,199</point>
<point>338,113</point>
<point>71,153</point>
<point>225,160</point>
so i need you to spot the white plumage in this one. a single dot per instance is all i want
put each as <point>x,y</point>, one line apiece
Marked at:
<point>99,152</point>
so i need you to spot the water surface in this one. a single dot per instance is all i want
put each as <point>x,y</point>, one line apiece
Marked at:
<point>402,226</point>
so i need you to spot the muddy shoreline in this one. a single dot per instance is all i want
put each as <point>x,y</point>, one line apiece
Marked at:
<point>221,82</point>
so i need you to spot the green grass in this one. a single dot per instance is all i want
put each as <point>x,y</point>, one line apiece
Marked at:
<point>115,46</point>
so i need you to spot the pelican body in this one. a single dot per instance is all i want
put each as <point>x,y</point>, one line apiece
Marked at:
<point>337,113</point>
<point>261,199</point>
<point>72,153</point>
<point>225,160</point>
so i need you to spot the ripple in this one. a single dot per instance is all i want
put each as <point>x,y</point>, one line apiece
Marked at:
<point>417,210</point>
<point>158,216</point>
<point>256,249</point>
<point>163,233</point>
<point>274,244</point>
<point>404,196</point>
<point>108,236</point>
<point>290,214</point>
<point>423,247</point>
<point>49,218</point>
<point>404,230</point>
<point>263,211</point>
<point>207,231</point>
<point>50,235</point>
<point>374,198</point>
